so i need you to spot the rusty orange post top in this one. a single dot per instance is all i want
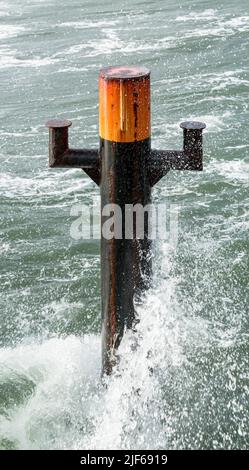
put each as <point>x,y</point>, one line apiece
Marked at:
<point>124,104</point>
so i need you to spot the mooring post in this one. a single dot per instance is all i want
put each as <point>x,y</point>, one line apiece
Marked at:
<point>124,126</point>
<point>126,168</point>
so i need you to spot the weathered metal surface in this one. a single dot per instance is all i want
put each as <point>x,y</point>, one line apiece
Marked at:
<point>61,156</point>
<point>124,72</point>
<point>76,158</point>
<point>124,104</point>
<point>160,162</point>
<point>193,125</point>
<point>125,263</point>
<point>192,143</point>
<point>58,123</point>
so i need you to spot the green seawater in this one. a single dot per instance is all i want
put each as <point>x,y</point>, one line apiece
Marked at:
<point>193,330</point>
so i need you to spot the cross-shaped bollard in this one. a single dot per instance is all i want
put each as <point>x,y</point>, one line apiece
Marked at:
<point>126,168</point>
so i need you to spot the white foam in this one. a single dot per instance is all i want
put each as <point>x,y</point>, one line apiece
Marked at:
<point>205,15</point>
<point>214,123</point>
<point>227,78</point>
<point>88,24</point>
<point>231,169</point>
<point>111,43</point>
<point>63,372</point>
<point>10,31</point>
<point>4,247</point>
<point>213,24</point>
<point>238,23</point>
<point>46,184</point>
<point>8,59</point>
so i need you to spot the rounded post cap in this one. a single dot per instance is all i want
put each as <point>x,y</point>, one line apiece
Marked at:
<point>58,123</point>
<point>193,125</point>
<point>124,72</point>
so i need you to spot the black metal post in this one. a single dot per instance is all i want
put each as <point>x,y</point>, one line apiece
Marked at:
<point>125,263</point>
